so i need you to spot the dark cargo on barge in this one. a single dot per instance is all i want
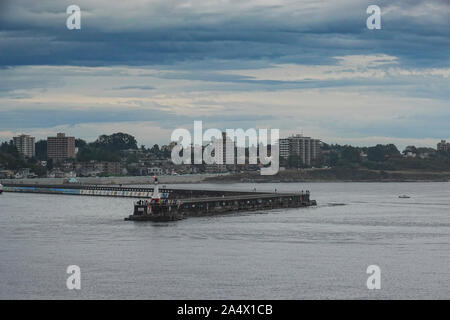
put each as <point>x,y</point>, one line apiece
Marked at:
<point>168,209</point>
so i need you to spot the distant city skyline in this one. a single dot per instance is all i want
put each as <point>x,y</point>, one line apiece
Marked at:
<point>441,145</point>
<point>300,66</point>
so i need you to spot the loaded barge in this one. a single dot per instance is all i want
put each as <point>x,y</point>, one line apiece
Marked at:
<point>160,208</point>
<point>168,204</point>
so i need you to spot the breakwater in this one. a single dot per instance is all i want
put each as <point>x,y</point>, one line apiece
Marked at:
<point>117,191</point>
<point>124,180</point>
<point>81,190</point>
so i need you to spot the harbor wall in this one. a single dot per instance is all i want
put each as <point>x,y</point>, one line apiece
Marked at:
<point>168,179</point>
<point>80,192</point>
<point>119,191</point>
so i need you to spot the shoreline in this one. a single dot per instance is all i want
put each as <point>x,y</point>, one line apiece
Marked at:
<point>123,180</point>
<point>287,176</point>
<point>334,175</point>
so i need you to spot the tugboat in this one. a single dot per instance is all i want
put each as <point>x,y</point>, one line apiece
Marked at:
<point>157,209</point>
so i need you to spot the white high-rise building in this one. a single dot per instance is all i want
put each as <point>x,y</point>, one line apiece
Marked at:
<point>305,148</point>
<point>25,145</point>
<point>225,150</point>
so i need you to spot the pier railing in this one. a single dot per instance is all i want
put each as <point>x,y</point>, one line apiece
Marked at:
<point>127,191</point>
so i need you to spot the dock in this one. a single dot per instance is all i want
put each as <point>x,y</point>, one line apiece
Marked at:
<point>117,191</point>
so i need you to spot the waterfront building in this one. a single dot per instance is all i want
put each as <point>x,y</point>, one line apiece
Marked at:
<point>25,145</point>
<point>151,171</point>
<point>443,146</point>
<point>223,152</point>
<point>60,148</point>
<point>306,148</point>
<point>110,168</point>
<point>94,168</point>
<point>6,174</point>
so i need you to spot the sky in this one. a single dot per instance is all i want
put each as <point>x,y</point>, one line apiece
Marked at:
<point>148,67</point>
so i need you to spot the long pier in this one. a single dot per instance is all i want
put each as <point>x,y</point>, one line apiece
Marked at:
<point>118,191</point>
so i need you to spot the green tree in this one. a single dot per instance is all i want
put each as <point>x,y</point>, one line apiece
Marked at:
<point>332,159</point>
<point>382,152</point>
<point>38,169</point>
<point>105,148</point>
<point>91,152</point>
<point>132,158</point>
<point>10,157</point>
<point>116,142</point>
<point>351,154</point>
<point>49,164</point>
<point>80,143</point>
<point>155,149</point>
<point>41,150</point>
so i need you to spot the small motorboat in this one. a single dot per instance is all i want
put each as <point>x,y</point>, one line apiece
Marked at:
<point>1,188</point>
<point>404,196</point>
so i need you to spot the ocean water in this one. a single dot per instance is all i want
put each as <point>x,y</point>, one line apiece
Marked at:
<point>307,253</point>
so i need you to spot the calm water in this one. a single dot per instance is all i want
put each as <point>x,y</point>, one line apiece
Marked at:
<point>313,253</point>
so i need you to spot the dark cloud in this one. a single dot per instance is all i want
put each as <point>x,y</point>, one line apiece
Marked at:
<point>189,47</point>
<point>135,88</point>
<point>45,118</point>
<point>35,33</point>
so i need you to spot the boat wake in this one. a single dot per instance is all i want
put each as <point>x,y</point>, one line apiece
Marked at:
<point>333,204</point>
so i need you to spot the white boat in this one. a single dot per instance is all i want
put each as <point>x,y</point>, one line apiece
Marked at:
<point>1,188</point>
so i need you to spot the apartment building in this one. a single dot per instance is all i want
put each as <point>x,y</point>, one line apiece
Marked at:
<point>443,146</point>
<point>60,148</point>
<point>25,145</point>
<point>306,148</point>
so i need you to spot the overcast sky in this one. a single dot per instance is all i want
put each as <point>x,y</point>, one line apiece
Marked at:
<point>147,67</point>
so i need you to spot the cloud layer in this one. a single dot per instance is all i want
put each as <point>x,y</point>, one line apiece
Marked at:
<point>151,66</point>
